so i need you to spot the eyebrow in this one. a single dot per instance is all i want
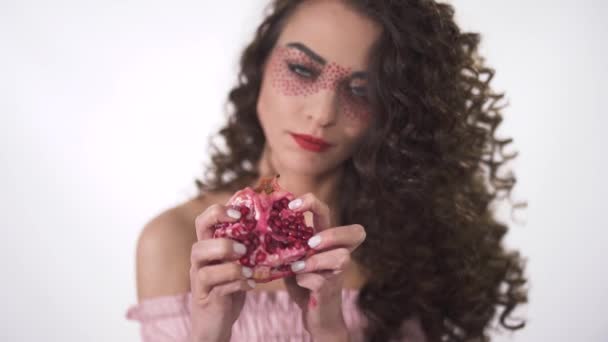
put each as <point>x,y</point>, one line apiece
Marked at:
<point>314,56</point>
<point>305,49</point>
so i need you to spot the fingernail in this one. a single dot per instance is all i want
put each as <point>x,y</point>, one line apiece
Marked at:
<point>314,241</point>
<point>239,248</point>
<point>295,204</point>
<point>251,283</point>
<point>235,214</point>
<point>298,266</point>
<point>247,272</point>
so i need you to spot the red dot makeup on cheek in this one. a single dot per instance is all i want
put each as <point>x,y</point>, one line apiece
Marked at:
<point>285,79</point>
<point>293,74</point>
<point>349,104</point>
<point>353,106</point>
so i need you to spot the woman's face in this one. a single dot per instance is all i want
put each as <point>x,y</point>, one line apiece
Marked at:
<point>314,85</point>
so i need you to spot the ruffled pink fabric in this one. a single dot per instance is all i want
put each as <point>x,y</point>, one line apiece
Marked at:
<point>266,316</point>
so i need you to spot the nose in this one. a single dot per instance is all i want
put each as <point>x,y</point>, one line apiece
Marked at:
<point>323,110</point>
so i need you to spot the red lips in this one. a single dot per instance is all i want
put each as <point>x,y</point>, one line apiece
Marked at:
<point>311,143</point>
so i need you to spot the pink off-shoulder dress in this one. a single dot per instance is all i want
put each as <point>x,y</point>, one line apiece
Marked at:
<point>267,316</point>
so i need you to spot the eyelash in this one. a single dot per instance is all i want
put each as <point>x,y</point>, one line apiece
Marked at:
<point>308,74</point>
<point>295,67</point>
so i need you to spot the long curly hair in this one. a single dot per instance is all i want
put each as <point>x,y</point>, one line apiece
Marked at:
<point>425,182</point>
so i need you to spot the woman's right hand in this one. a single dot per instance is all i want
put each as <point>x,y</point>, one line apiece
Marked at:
<point>217,282</point>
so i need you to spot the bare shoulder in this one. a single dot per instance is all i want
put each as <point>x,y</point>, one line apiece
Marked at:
<point>164,246</point>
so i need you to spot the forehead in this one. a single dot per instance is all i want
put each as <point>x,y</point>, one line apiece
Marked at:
<point>333,30</point>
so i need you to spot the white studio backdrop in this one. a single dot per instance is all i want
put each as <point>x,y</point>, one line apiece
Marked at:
<point>105,110</point>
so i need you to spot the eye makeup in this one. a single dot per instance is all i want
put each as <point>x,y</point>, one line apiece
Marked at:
<point>297,71</point>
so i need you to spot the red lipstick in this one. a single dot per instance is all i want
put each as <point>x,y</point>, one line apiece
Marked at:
<point>310,143</point>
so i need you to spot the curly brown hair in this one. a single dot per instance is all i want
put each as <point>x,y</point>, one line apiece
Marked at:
<point>424,182</point>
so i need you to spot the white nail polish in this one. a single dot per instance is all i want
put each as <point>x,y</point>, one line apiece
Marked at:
<point>247,272</point>
<point>314,241</point>
<point>251,283</point>
<point>298,266</point>
<point>239,248</point>
<point>295,204</point>
<point>235,214</point>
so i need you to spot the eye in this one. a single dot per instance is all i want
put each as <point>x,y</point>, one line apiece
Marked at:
<point>359,91</point>
<point>301,70</point>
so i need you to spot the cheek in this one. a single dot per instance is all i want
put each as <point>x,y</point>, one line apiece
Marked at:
<point>356,110</point>
<point>274,110</point>
<point>356,118</point>
<point>333,78</point>
<point>354,133</point>
<point>354,107</point>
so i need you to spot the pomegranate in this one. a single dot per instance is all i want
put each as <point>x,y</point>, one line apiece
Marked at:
<point>275,236</point>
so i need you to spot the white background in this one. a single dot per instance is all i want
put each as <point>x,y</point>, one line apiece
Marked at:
<point>105,109</point>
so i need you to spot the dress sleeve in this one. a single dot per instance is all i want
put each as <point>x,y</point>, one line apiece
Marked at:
<point>163,319</point>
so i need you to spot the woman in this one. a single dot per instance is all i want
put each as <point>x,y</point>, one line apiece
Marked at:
<point>379,116</point>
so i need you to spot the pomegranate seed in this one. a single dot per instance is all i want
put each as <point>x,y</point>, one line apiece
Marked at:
<point>270,242</point>
<point>261,256</point>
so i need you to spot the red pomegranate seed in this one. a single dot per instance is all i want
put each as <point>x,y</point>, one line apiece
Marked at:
<point>275,241</point>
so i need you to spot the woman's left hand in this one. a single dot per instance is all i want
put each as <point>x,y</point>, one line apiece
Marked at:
<point>317,285</point>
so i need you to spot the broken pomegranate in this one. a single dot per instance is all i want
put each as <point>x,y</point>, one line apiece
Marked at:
<point>275,236</point>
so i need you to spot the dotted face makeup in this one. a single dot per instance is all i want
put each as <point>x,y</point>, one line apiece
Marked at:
<point>294,73</point>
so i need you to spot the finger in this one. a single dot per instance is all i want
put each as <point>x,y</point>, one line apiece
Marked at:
<point>336,260</point>
<point>215,275</point>
<point>312,281</point>
<point>232,287</point>
<point>220,249</point>
<point>213,214</point>
<point>204,298</point>
<point>320,210</point>
<point>350,237</point>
